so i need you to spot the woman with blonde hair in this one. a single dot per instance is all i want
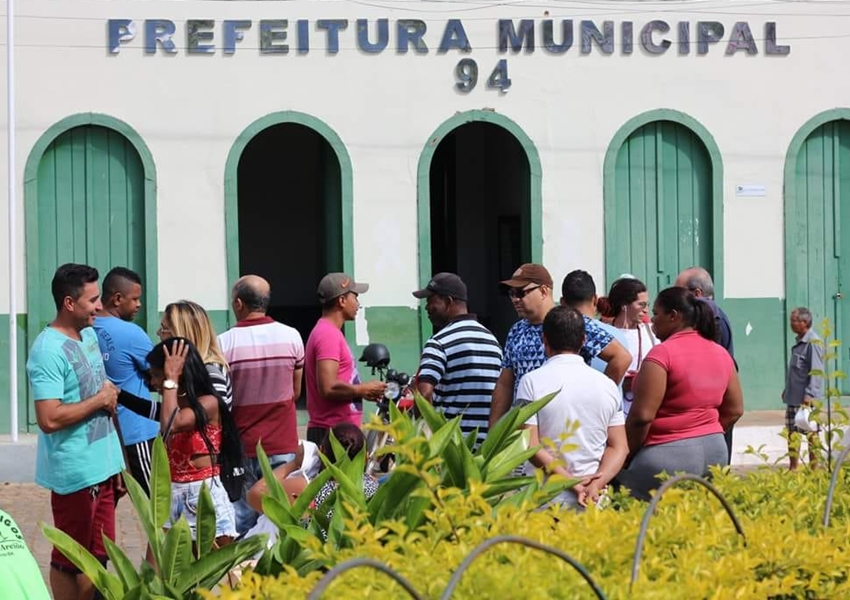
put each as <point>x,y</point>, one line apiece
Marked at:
<point>189,320</point>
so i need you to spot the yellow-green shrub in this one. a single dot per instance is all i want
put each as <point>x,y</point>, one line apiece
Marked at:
<point>692,550</point>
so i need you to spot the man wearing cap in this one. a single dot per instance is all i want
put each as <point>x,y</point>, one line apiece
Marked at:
<point>333,386</point>
<point>530,290</point>
<point>460,362</point>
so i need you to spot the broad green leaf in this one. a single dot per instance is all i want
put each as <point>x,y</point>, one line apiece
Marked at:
<point>142,504</point>
<point>471,470</point>
<point>123,566</point>
<point>176,551</point>
<point>279,514</point>
<point>529,410</point>
<point>508,460</point>
<point>391,495</point>
<point>160,484</point>
<point>205,522</point>
<point>497,434</point>
<point>150,579</point>
<point>274,487</point>
<point>471,439</point>
<point>442,436</point>
<point>434,419</point>
<point>402,423</point>
<point>454,474</point>
<point>296,532</point>
<point>137,593</point>
<point>302,503</point>
<point>265,565</point>
<point>351,491</point>
<point>209,570</point>
<point>107,584</point>
<point>503,486</point>
<point>415,512</point>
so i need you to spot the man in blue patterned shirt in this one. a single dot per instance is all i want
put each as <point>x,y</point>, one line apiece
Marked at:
<point>530,290</point>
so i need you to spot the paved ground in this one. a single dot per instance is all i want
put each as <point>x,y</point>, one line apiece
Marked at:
<point>30,504</point>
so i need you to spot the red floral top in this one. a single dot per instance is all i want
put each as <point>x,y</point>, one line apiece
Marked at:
<point>184,445</point>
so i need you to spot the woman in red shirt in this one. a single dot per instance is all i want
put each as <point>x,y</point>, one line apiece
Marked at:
<point>200,435</point>
<point>687,394</point>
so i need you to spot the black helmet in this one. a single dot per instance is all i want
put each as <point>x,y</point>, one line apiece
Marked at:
<point>376,356</point>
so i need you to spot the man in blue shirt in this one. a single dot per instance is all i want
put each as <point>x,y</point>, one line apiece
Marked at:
<point>530,290</point>
<point>124,346</point>
<point>578,290</point>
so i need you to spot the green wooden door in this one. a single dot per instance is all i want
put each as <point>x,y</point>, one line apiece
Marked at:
<point>90,209</point>
<point>659,219</point>
<point>817,271</point>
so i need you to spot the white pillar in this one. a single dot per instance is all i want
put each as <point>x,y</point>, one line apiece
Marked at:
<point>13,220</point>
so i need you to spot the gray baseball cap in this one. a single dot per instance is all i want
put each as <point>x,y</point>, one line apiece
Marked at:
<point>334,285</point>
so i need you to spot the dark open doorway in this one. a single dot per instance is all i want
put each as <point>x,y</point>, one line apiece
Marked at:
<point>480,185</point>
<point>290,218</point>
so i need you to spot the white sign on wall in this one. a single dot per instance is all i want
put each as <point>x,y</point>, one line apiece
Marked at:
<point>750,190</point>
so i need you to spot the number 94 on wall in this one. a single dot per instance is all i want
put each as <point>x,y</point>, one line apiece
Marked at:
<point>466,73</point>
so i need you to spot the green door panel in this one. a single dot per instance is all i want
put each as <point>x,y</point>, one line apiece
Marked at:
<point>660,218</point>
<point>816,254</point>
<point>90,208</point>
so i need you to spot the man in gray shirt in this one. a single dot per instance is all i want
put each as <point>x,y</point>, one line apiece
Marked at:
<point>801,387</point>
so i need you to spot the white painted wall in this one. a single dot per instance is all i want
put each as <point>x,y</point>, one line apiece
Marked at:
<point>190,109</point>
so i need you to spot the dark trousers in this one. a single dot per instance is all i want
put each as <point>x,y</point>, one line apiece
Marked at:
<point>728,437</point>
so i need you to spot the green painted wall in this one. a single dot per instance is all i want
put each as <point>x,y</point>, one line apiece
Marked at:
<point>397,327</point>
<point>4,373</point>
<point>760,355</point>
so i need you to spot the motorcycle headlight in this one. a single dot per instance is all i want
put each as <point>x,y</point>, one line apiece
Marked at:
<point>392,391</point>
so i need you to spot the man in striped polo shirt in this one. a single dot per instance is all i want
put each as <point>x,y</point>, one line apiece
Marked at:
<point>461,361</point>
<point>266,361</point>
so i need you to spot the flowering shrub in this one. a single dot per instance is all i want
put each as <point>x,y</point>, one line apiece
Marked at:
<point>692,549</point>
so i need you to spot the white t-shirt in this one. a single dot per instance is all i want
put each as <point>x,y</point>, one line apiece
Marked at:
<point>586,396</point>
<point>640,341</point>
<point>310,465</point>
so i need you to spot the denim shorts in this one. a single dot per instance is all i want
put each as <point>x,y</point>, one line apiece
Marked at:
<point>184,502</point>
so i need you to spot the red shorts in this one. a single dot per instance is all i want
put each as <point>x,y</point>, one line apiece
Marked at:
<point>84,515</point>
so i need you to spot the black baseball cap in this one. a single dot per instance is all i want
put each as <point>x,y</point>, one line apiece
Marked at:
<point>444,284</point>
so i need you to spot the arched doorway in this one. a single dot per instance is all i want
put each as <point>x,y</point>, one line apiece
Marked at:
<point>662,200</point>
<point>90,197</point>
<point>89,188</point>
<point>817,217</point>
<point>288,189</point>
<point>479,209</point>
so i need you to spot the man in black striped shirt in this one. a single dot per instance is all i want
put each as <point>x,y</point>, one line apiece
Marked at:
<point>461,361</point>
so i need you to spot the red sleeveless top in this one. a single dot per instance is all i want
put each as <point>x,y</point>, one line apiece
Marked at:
<point>184,445</point>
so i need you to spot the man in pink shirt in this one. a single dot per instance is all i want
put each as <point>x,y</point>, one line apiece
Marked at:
<point>333,386</point>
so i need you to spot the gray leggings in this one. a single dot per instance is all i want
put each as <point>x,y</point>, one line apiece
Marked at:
<point>693,455</point>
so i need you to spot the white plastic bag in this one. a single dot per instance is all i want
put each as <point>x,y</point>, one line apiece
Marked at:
<point>803,420</point>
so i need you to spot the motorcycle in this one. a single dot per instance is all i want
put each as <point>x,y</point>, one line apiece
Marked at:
<point>399,391</point>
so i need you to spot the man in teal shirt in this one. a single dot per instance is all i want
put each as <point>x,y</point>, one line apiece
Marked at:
<point>20,578</point>
<point>79,457</point>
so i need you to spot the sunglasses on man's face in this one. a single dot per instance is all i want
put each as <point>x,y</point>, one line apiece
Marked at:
<point>521,293</point>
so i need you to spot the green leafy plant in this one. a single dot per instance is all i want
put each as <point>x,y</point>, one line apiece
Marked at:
<point>184,566</point>
<point>829,413</point>
<point>692,549</point>
<point>434,462</point>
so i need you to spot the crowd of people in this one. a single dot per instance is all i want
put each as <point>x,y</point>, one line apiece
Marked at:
<point>634,396</point>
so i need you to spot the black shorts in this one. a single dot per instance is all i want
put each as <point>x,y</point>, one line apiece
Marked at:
<point>139,463</point>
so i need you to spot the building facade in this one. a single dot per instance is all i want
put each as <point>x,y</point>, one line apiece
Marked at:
<point>196,141</point>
